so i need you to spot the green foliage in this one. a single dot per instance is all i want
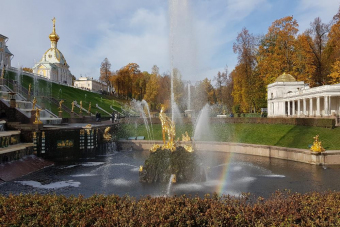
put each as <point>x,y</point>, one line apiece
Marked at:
<point>283,135</point>
<point>69,94</point>
<point>281,209</point>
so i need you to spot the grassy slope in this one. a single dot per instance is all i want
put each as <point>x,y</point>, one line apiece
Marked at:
<point>68,94</point>
<point>277,135</point>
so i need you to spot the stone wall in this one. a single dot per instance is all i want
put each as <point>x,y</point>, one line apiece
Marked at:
<point>292,154</point>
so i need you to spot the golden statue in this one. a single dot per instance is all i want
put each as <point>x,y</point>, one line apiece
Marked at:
<point>34,102</point>
<point>3,72</point>
<point>60,105</point>
<point>89,110</point>
<point>37,117</point>
<point>317,147</point>
<point>107,135</point>
<point>81,106</point>
<point>29,89</point>
<point>168,126</point>
<point>72,106</point>
<point>186,137</point>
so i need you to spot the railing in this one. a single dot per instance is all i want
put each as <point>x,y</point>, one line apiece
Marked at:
<point>102,109</point>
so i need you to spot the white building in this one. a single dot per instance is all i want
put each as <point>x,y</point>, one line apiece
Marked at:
<point>5,55</point>
<point>53,64</point>
<point>290,98</point>
<point>90,84</point>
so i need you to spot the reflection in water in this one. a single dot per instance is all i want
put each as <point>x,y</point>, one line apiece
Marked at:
<point>226,174</point>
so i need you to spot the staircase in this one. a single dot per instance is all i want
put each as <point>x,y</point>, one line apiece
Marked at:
<point>25,107</point>
<point>10,146</point>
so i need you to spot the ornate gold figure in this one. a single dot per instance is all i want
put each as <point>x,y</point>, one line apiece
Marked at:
<point>34,134</point>
<point>89,110</point>
<point>3,72</point>
<point>72,107</point>
<point>186,137</point>
<point>107,135</point>
<point>29,89</point>
<point>60,105</point>
<point>42,134</point>
<point>168,126</point>
<point>81,106</point>
<point>34,102</point>
<point>37,117</point>
<point>317,147</point>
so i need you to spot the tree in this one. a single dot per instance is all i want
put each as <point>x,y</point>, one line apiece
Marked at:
<point>105,72</point>
<point>248,85</point>
<point>221,80</point>
<point>334,77</point>
<point>152,91</point>
<point>317,42</point>
<point>277,49</point>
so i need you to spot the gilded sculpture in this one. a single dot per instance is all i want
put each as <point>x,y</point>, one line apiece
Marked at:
<point>107,135</point>
<point>60,105</point>
<point>37,117</point>
<point>81,106</point>
<point>72,107</point>
<point>168,127</point>
<point>29,89</point>
<point>317,147</point>
<point>34,102</point>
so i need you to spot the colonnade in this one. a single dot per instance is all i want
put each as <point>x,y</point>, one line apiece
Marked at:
<point>319,106</point>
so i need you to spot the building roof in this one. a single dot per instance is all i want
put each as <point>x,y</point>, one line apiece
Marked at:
<point>285,78</point>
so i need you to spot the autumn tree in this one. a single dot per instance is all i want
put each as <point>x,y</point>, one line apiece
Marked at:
<point>105,72</point>
<point>152,88</point>
<point>333,48</point>
<point>248,89</point>
<point>277,49</point>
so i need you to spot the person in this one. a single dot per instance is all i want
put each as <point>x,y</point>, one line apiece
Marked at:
<point>97,116</point>
<point>113,117</point>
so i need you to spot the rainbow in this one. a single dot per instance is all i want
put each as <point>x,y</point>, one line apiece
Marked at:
<point>224,177</point>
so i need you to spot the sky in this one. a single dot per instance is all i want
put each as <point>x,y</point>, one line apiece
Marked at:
<point>195,36</point>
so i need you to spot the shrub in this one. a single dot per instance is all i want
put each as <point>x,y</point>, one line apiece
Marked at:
<point>281,209</point>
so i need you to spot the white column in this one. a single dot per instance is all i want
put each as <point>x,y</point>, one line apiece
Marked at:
<point>299,107</point>
<point>304,107</point>
<point>288,102</point>
<point>311,107</point>
<point>318,106</point>
<point>329,106</point>
<point>293,111</point>
<point>326,105</point>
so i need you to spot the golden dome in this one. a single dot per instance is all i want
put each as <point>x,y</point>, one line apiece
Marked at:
<point>285,78</point>
<point>53,36</point>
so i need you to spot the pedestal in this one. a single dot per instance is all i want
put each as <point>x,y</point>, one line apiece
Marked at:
<point>72,115</point>
<point>2,81</point>
<point>12,103</point>
<point>189,113</point>
<point>60,114</point>
<point>29,97</point>
<point>33,116</point>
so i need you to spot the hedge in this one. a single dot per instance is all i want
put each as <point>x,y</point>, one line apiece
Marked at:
<point>316,122</point>
<point>281,209</point>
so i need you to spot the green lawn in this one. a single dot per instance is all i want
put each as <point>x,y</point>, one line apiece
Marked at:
<point>68,94</point>
<point>277,135</point>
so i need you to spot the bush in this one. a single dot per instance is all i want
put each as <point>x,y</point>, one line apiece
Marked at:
<point>317,122</point>
<point>282,209</point>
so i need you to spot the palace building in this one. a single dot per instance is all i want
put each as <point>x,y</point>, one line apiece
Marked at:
<point>287,97</point>
<point>5,55</point>
<point>90,84</point>
<point>53,64</point>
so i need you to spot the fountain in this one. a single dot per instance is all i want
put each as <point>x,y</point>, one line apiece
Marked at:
<point>170,161</point>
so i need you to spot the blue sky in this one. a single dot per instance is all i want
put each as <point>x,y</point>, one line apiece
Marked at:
<point>137,31</point>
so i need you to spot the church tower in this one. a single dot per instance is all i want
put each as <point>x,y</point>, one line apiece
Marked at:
<point>53,65</point>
